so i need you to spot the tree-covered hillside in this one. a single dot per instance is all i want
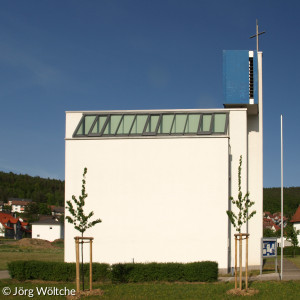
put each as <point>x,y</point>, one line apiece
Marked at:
<point>291,200</point>
<point>51,191</point>
<point>40,190</point>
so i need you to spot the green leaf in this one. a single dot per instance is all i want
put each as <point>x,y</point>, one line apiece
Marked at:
<point>80,220</point>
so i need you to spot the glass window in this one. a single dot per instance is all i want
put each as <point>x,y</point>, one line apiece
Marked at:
<point>112,125</point>
<point>168,123</point>
<point>125,124</point>
<point>85,125</point>
<point>100,122</point>
<point>152,124</point>
<point>88,122</point>
<point>80,130</point>
<point>219,123</point>
<point>192,124</point>
<point>206,122</point>
<point>165,124</point>
<point>179,123</point>
<point>139,124</point>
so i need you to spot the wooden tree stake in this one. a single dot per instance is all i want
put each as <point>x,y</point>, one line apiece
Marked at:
<point>235,264</point>
<point>239,237</point>
<point>77,264</point>
<point>240,256</point>
<point>247,262</point>
<point>77,242</point>
<point>91,266</point>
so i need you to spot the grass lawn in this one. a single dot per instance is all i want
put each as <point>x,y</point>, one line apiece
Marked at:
<point>12,251</point>
<point>165,291</point>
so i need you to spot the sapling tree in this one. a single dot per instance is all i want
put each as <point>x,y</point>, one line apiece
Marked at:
<point>78,218</point>
<point>292,236</point>
<point>243,204</point>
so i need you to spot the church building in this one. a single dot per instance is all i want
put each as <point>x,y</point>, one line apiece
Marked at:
<point>160,180</point>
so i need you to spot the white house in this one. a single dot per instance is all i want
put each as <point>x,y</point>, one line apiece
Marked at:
<point>160,180</point>
<point>18,205</point>
<point>48,228</point>
<point>296,221</point>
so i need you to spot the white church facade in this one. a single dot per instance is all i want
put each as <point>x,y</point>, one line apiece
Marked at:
<point>160,180</point>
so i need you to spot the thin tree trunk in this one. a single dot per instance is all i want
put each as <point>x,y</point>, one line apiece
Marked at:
<point>294,251</point>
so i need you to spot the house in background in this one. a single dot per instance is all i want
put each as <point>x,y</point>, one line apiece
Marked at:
<point>57,210</point>
<point>13,228</point>
<point>18,205</point>
<point>270,224</point>
<point>273,221</point>
<point>48,228</point>
<point>296,221</point>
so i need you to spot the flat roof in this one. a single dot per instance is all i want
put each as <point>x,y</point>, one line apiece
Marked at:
<point>206,110</point>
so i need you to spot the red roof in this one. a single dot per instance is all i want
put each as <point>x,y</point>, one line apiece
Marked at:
<point>24,229</point>
<point>296,216</point>
<point>4,218</point>
<point>269,223</point>
<point>7,227</point>
<point>18,202</point>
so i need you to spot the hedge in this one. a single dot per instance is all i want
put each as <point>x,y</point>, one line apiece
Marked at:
<point>197,271</point>
<point>118,273</point>
<point>54,271</point>
<point>289,250</point>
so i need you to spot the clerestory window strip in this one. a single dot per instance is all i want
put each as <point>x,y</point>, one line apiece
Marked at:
<point>152,124</point>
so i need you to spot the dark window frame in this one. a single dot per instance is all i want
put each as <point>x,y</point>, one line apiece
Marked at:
<point>155,132</point>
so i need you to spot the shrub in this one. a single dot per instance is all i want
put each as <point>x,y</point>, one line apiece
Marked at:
<point>202,271</point>
<point>117,273</point>
<point>197,271</point>
<point>289,250</point>
<point>54,271</point>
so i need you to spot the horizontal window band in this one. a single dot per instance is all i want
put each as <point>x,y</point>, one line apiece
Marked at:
<point>152,124</point>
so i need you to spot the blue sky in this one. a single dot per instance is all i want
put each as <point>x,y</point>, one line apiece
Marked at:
<point>58,56</point>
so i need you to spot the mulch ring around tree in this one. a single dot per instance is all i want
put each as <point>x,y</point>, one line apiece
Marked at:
<point>238,292</point>
<point>82,294</point>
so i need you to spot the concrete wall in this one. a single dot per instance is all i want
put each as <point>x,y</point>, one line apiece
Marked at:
<point>46,232</point>
<point>160,199</point>
<point>297,227</point>
<point>246,139</point>
<point>165,199</point>
<point>2,230</point>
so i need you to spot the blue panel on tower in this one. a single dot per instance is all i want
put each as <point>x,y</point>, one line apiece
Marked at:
<point>239,83</point>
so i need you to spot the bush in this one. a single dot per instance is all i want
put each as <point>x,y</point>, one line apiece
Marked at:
<point>201,271</point>
<point>197,271</point>
<point>289,251</point>
<point>117,273</point>
<point>54,271</point>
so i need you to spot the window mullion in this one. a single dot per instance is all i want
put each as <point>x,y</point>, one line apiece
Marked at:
<point>132,124</point>
<point>119,125</point>
<point>92,127</point>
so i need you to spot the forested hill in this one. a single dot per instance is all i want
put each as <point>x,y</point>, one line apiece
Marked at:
<point>51,191</point>
<point>272,200</point>
<point>40,190</point>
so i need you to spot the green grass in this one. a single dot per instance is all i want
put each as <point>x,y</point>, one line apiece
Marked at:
<point>11,252</point>
<point>165,291</point>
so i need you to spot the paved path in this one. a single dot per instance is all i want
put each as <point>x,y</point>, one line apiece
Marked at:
<point>290,272</point>
<point>4,274</point>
